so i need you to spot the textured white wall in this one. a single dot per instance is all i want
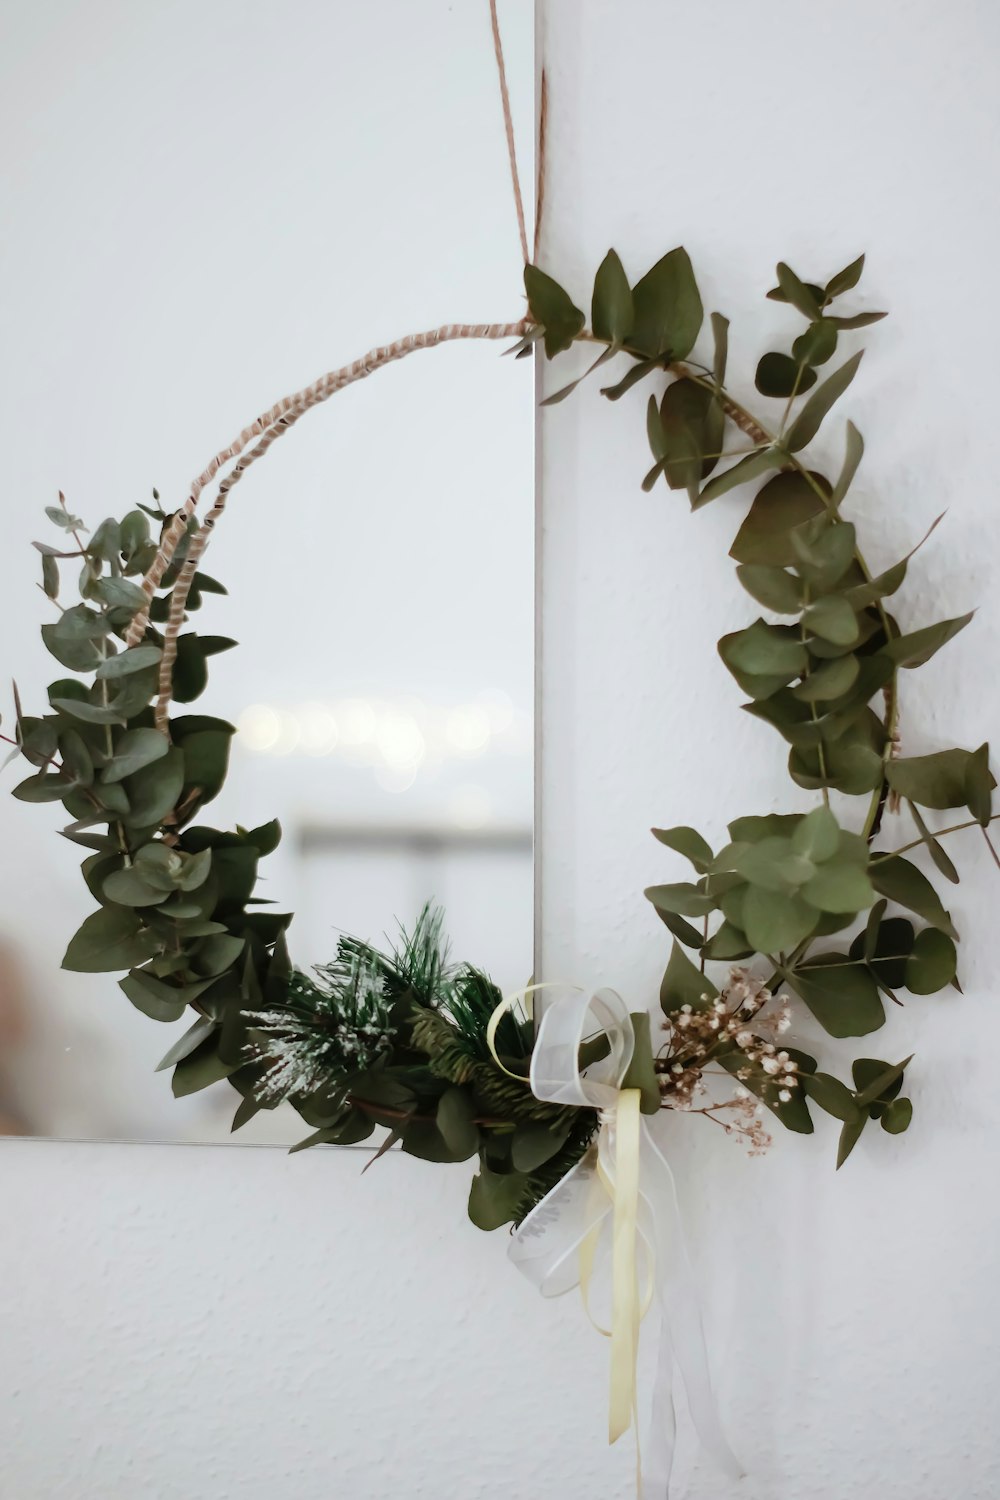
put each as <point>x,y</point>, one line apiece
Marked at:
<point>220,1323</point>
<point>854,1318</point>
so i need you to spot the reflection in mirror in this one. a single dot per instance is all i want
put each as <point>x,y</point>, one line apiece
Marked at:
<point>204,211</point>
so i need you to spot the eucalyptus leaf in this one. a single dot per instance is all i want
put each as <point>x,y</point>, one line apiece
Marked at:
<point>773,587</point>
<point>810,418</point>
<point>751,467</point>
<point>797,292</point>
<point>902,882</point>
<point>134,750</point>
<point>781,376</point>
<point>842,995</point>
<point>109,939</point>
<point>897,1116</point>
<point>689,842</point>
<point>667,308</point>
<point>785,502</point>
<point>832,1096</point>
<point>919,646</point>
<point>684,984</point>
<point>933,962</point>
<point>611,310</point>
<point>553,309</point>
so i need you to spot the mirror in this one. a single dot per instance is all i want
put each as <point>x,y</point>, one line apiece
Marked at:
<point>206,210</point>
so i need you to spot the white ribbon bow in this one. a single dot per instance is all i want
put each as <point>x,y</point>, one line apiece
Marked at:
<point>626,1185</point>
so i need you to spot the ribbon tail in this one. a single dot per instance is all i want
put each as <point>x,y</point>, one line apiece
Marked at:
<point>662,1440</point>
<point>680,1311</point>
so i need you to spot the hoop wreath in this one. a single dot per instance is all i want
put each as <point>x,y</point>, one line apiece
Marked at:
<point>790,912</point>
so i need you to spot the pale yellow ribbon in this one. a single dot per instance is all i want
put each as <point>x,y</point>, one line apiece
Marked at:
<point>621,1118</point>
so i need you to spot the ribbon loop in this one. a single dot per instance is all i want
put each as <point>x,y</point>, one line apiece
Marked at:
<point>581,1057</point>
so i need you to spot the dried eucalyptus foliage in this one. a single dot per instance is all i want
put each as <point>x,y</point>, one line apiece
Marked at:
<point>399,1039</point>
<point>821,666</point>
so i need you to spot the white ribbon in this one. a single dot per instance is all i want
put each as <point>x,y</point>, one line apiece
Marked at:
<point>560,1240</point>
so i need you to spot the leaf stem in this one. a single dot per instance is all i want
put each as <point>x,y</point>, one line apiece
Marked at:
<point>937,833</point>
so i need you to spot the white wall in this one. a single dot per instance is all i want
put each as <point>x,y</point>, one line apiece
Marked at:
<point>854,1318</point>
<point>217,1323</point>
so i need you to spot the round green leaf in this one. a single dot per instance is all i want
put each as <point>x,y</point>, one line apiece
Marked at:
<point>933,962</point>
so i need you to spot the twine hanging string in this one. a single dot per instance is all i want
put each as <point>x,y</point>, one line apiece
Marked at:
<point>268,427</point>
<point>282,417</point>
<point>508,124</point>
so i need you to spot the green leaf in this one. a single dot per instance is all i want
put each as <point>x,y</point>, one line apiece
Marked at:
<point>897,1116</point>
<point>830,681</point>
<point>774,651</point>
<point>774,921</point>
<point>859,320</point>
<point>681,897</point>
<point>638,372</point>
<point>943,779</point>
<point>845,279</point>
<point>109,939</point>
<point>128,888</point>
<point>134,750</point>
<point>720,336</point>
<point>810,418</point>
<point>455,1120</point>
<point>863,594</point>
<point>854,448</point>
<point>979,784</point>
<point>155,791</point>
<point>691,424</point>
<point>797,292</point>
<point>832,1096</point>
<point>817,837</point>
<point>780,375</point>
<point>201,1068</point>
<point>87,713</point>
<point>793,1113</point>
<point>878,1082</point>
<point>689,842</point>
<point>50,576</point>
<point>680,929</point>
<point>494,1198</point>
<point>551,307</point>
<point>785,502</point>
<point>684,984</point>
<point>770,825</point>
<point>842,995</point>
<point>78,653</point>
<point>119,592</point>
<point>849,1137</point>
<point>933,962</point>
<point>934,849</point>
<point>833,619</point>
<point>839,888</point>
<point>205,742</point>
<point>42,788</point>
<point>727,943</point>
<point>218,953</point>
<point>611,309</point>
<point>748,468</point>
<point>816,345</point>
<point>919,646</point>
<point>774,864</point>
<point>185,1045</point>
<point>159,1001</point>
<point>903,883</point>
<point>773,587</point>
<point>641,1071</point>
<point>136,659</point>
<point>667,307</point>
<point>535,1144</point>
